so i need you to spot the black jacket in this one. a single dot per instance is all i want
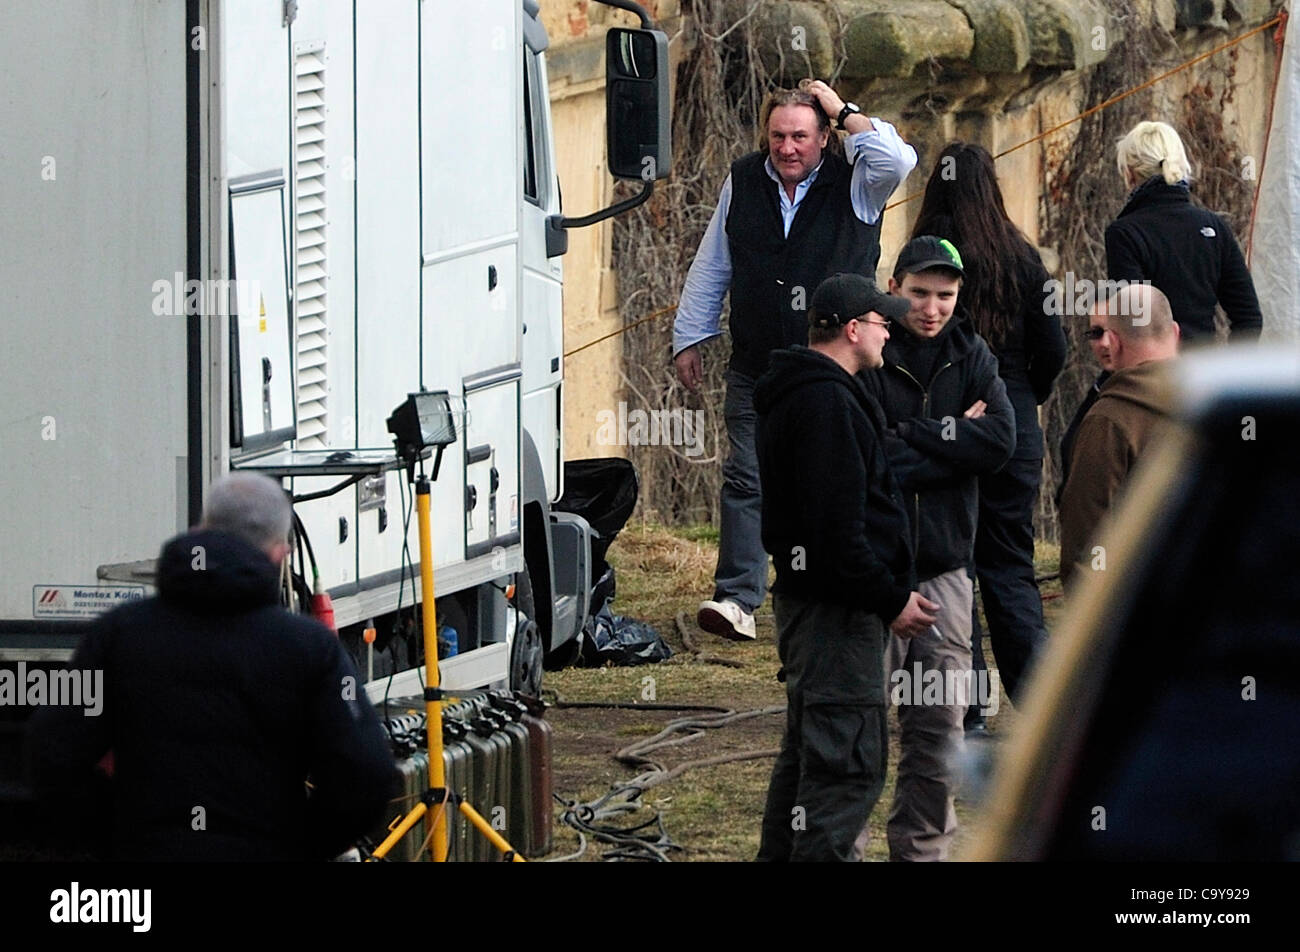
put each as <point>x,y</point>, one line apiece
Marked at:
<point>833,517</point>
<point>1187,252</point>
<point>218,705</point>
<point>1034,350</point>
<point>935,453</point>
<point>774,275</point>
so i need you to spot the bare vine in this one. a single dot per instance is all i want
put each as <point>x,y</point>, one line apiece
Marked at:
<point>730,63</point>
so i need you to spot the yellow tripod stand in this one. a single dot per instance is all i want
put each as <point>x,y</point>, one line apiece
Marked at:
<point>437,794</point>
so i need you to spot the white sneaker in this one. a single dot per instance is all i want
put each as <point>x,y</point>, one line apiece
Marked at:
<point>727,619</point>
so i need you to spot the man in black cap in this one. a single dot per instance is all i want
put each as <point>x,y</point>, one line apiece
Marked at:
<point>949,420</point>
<point>834,524</point>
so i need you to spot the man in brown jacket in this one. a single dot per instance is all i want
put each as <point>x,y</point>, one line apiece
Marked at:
<point>1133,333</point>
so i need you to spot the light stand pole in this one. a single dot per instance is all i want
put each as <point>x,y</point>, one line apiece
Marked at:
<point>425,420</point>
<point>437,825</point>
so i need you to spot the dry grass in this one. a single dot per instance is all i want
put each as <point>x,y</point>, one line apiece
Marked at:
<point>714,812</point>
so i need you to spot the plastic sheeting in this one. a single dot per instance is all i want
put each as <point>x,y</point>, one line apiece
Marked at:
<point>1275,245</point>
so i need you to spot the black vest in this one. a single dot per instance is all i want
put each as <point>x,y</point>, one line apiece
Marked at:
<point>773,277</point>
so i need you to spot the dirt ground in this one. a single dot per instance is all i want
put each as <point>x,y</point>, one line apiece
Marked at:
<point>711,812</point>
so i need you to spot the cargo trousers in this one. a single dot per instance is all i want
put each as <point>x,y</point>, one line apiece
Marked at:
<point>923,820</point>
<point>831,768</point>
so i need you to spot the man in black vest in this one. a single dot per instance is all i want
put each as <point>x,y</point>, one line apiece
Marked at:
<point>788,216</point>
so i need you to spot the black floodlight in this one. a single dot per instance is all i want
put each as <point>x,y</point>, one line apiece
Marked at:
<point>424,421</point>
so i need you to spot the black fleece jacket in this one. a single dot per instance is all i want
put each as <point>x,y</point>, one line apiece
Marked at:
<point>1187,252</point>
<point>935,453</point>
<point>218,705</point>
<point>1033,352</point>
<point>833,518</point>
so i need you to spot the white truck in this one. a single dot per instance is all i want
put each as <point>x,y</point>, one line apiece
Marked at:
<point>236,235</point>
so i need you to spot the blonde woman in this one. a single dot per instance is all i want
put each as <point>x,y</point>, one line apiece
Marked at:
<point>1186,251</point>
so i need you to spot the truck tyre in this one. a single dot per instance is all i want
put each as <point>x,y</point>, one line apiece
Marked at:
<point>526,648</point>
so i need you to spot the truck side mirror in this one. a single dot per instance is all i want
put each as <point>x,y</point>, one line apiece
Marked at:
<point>637,104</point>
<point>637,111</point>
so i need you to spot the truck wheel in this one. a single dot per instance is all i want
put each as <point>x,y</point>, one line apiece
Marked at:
<point>526,648</point>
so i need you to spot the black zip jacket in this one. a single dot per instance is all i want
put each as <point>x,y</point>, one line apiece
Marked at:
<point>1187,252</point>
<point>833,518</point>
<point>218,704</point>
<point>1033,352</point>
<point>935,453</point>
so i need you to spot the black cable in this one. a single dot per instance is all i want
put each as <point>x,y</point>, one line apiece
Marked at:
<point>311,552</point>
<point>401,587</point>
<point>634,706</point>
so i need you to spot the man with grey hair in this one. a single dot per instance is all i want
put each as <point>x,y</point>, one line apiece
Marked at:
<point>221,708</point>
<point>252,507</point>
<point>1133,334</point>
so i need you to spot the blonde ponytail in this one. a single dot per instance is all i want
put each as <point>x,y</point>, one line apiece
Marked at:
<point>1153,148</point>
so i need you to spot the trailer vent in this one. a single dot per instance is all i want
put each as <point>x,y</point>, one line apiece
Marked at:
<point>309,184</point>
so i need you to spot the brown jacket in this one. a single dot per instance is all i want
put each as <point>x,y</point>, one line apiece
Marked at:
<point>1131,408</point>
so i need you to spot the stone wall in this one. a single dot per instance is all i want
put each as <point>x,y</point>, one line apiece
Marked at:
<point>998,72</point>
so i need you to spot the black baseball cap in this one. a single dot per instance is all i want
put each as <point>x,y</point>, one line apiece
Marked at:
<point>927,251</point>
<point>845,297</point>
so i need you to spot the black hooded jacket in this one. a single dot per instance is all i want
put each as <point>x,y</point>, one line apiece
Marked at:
<point>218,705</point>
<point>1032,353</point>
<point>833,517</point>
<point>1187,252</point>
<point>935,453</point>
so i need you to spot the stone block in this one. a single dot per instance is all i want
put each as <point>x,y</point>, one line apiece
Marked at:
<point>892,38</point>
<point>1069,34</point>
<point>793,39</point>
<point>1001,36</point>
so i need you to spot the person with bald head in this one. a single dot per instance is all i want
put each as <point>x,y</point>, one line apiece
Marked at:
<point>1134,335</point>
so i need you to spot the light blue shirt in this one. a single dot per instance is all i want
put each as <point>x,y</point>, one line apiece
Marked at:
<point>880,160</point>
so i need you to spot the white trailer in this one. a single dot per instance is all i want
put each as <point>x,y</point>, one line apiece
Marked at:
<point>237,234</point>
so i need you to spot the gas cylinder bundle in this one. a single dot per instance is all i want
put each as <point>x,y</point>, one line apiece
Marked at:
<point>497,757</point>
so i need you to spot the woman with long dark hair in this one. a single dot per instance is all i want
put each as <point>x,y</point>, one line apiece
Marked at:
<point>1003,296</point>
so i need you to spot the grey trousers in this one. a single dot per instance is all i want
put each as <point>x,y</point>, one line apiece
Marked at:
<point>923,821</point>
<point>831,768</point>
<point>741,573</point>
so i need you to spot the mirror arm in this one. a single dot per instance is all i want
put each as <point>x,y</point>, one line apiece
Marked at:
<point>627,204</point>
<point>631,7</point>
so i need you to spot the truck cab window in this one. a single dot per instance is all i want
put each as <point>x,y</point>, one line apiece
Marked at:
<point>532,126</point>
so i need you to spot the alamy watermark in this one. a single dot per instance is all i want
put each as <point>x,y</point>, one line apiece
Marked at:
<point>65,687</point>
<point>180,298</point>
<point>948,688</point>
<point>638,427</point>
<point>78,905</point>
<point>1078,297</point>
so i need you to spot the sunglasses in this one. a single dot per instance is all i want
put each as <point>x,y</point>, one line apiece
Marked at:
<point>1096,333</point>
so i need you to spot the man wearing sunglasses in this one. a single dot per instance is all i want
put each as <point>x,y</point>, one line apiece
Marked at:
<point>1132,334</point>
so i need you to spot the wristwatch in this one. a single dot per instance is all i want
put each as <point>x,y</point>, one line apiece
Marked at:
<point>850,109</point>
